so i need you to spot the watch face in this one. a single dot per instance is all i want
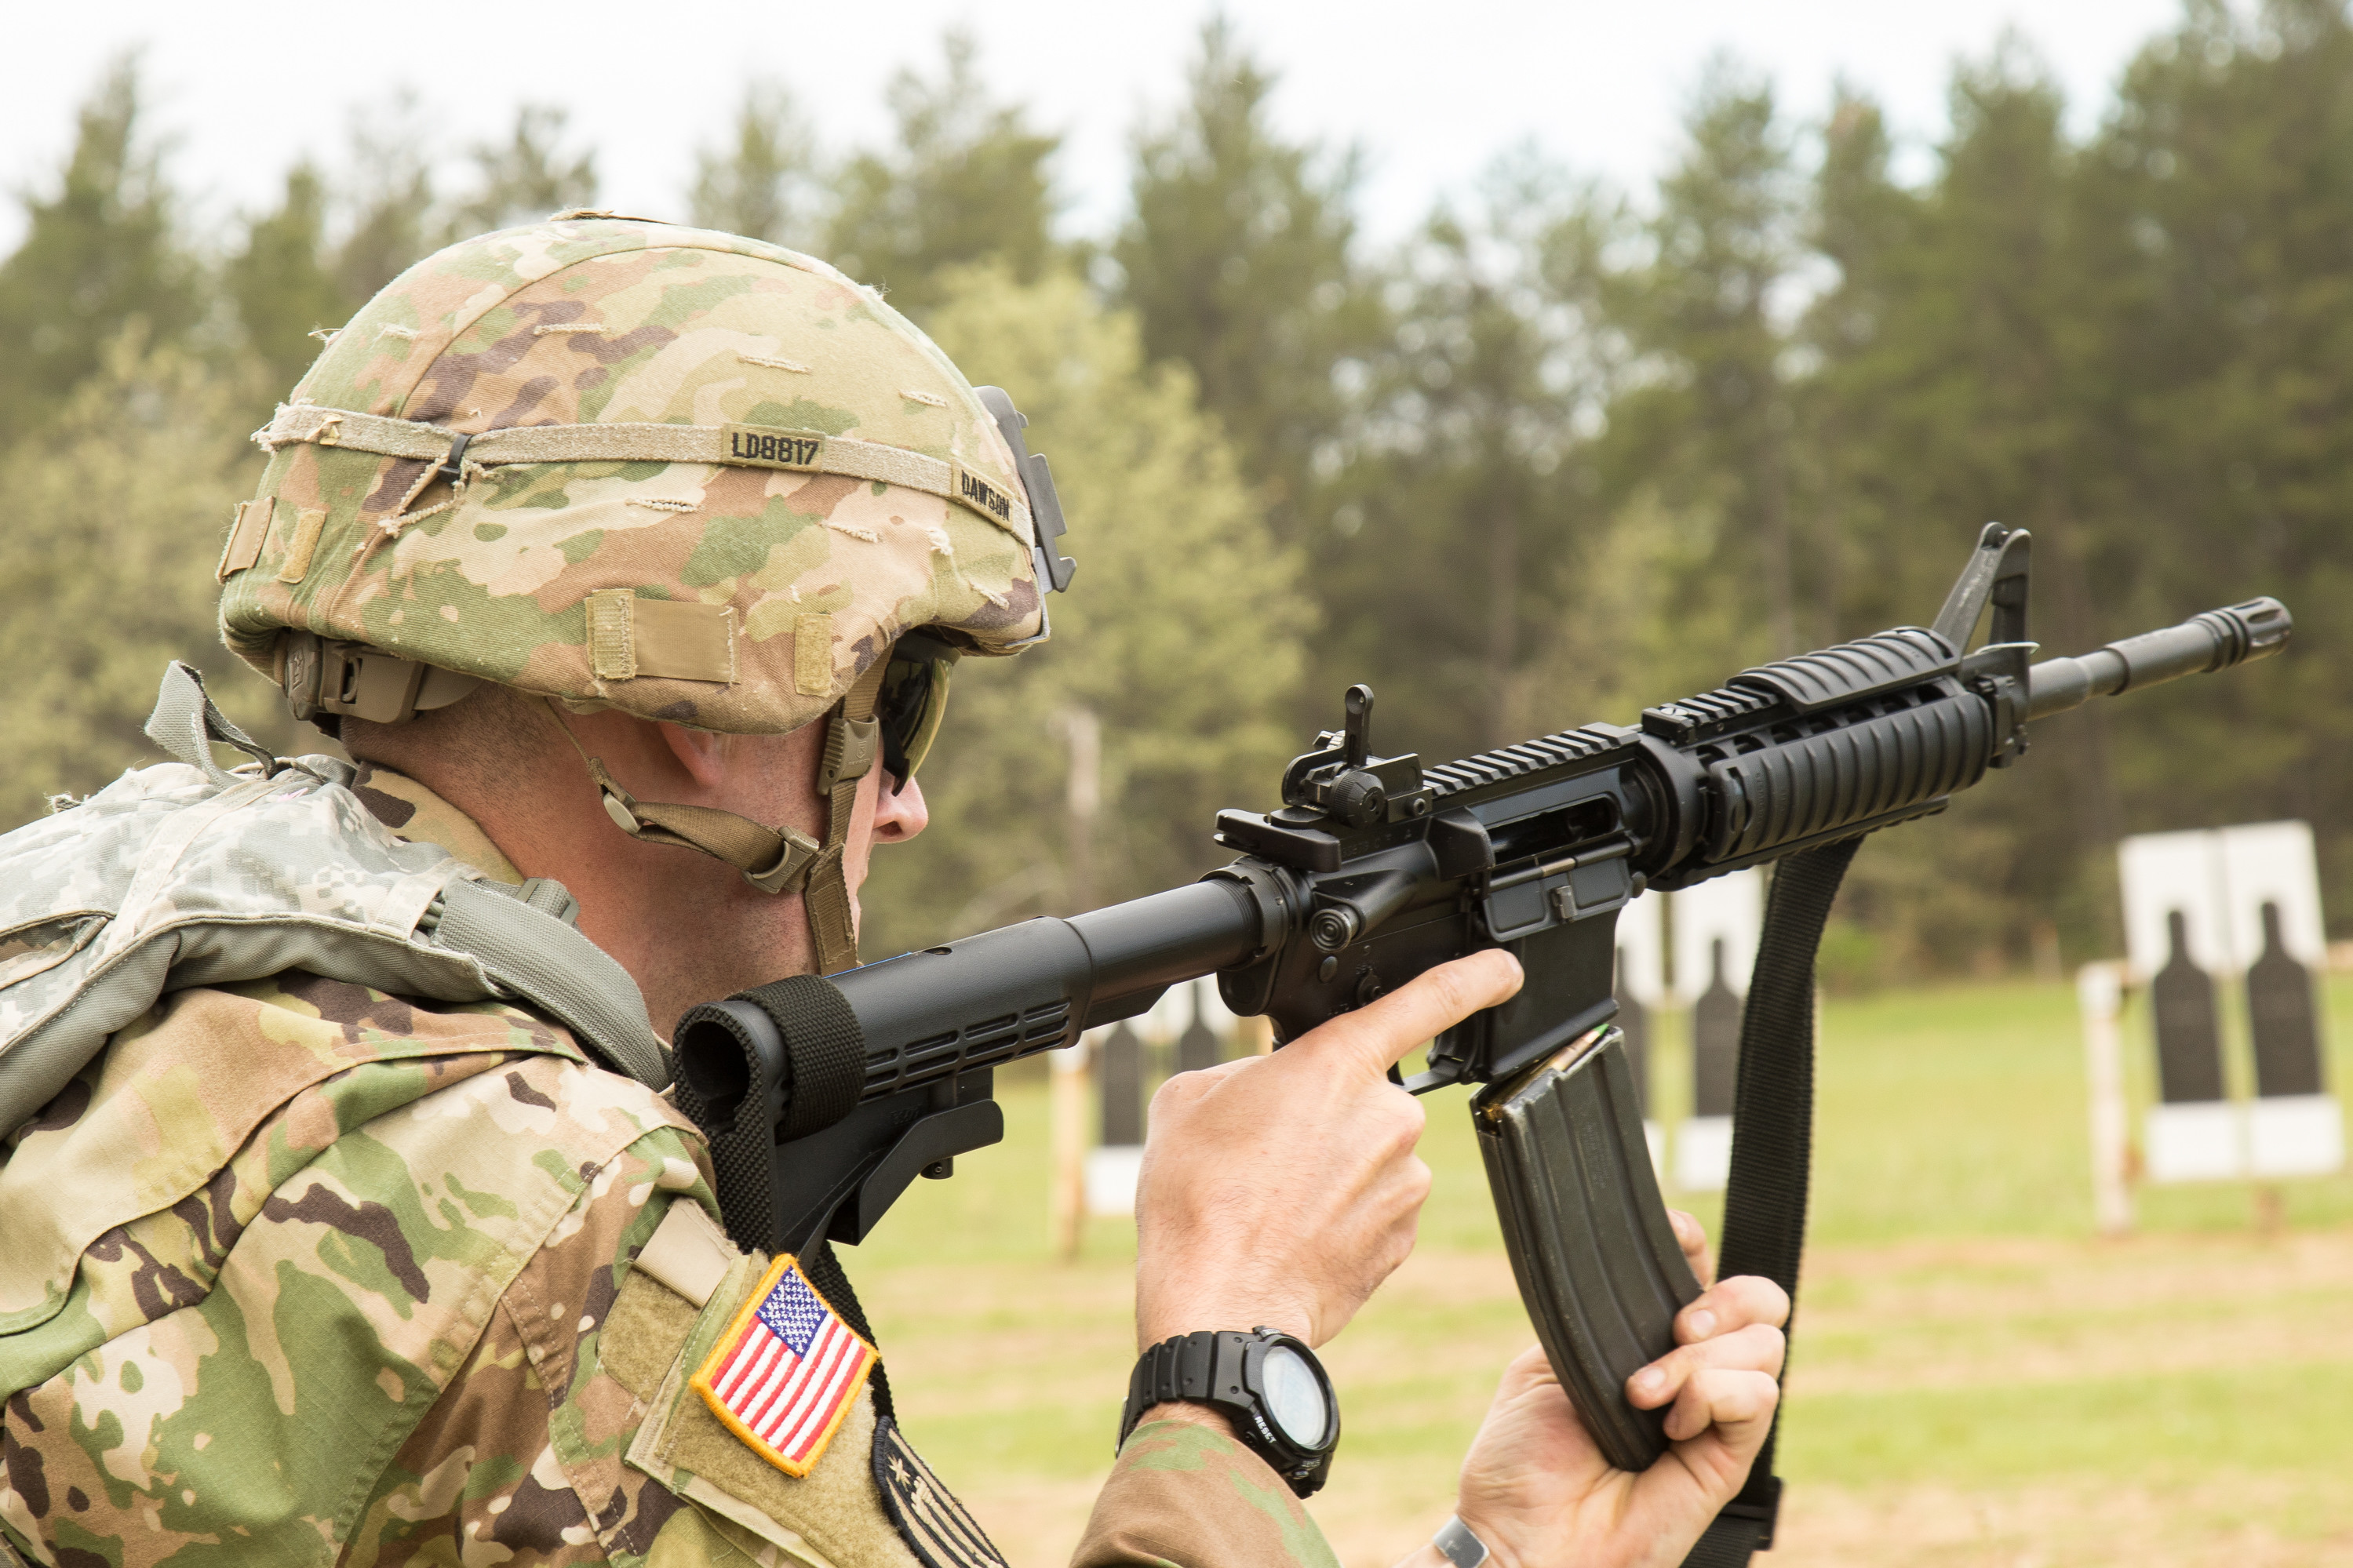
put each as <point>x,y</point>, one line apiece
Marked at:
<point>1295,1397</point>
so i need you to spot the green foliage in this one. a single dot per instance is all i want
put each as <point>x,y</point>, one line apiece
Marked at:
<point>2222,463</point>
<point>1462,507</point>
<point>100,253</point>
<point>1949,390</point>
<point>966,182</point>
<point>763,183</point>
<point>1711,427</point>
<point>116,517</point>
<point>1181,637</point>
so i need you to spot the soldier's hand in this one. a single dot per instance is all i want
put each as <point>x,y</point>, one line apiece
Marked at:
<point>1280,1189</point>
<point>1538,1492</point>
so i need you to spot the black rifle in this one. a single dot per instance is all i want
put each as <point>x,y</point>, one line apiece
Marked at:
<point>827,1096</point>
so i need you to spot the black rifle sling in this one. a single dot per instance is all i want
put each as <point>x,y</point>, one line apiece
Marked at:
<point>1772,1147</point>
<point>825,1051</point>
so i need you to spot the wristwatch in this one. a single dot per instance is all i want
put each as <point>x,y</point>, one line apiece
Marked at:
<point>1269,1384</point>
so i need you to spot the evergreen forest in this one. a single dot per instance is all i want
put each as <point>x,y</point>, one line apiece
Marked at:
<point>1563,451</point>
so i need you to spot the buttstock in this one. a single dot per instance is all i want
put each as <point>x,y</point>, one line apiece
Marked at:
<point>1596,1260</point>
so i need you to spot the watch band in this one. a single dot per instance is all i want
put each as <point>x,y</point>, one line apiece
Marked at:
<point>1220,1368</point>
<point>1458,1545</point>
<point>1181,1371</point>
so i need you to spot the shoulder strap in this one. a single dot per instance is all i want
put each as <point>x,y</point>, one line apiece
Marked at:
<point>1772,1147</point>
<point>222,883</point>
<point>529,950</point>
<point>523,939</point>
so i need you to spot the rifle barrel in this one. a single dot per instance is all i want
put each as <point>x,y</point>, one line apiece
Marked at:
<point>2214,640</point>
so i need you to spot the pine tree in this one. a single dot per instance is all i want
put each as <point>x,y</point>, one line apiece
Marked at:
<point>763,183</point>
<point>1461,512</point>
<point>1238,261</point>
<point>2222,459</point>
<point>101,256</point>
<point>965,181</point>
<point>281,283</point>
<point>1183,639</point>
<point>389,191</point>
<point>527,177</point>
<point>1853,337</point>
<point>117,516</point>
<point>1715,426</point>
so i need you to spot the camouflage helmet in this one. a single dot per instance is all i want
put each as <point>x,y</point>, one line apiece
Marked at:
<point>675,472</point>
<point>681,474</point>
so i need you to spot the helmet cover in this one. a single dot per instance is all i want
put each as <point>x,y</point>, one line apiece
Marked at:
<point>678,473</point>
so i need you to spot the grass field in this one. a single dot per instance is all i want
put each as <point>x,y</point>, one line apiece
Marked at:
<point>1977,1378</point>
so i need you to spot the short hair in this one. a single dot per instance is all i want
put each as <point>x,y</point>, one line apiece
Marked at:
<point>493,738</point>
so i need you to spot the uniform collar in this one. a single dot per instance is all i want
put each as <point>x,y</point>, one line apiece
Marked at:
<point>417,814</point>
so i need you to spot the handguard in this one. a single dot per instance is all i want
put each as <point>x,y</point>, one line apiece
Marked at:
<point>1596,1260</point>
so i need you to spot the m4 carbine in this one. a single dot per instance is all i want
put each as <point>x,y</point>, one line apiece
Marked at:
<point>827,1096</point>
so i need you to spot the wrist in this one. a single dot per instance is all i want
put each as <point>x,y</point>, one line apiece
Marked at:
<point>1191,1414</point>
<point>1165,1315</point>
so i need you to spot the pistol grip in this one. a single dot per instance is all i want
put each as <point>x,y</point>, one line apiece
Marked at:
<point>1596,1261</point>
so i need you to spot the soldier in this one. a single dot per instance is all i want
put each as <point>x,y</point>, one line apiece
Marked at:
<point>632,558</point>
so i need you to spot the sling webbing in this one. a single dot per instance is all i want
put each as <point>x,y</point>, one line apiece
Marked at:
<point>825,1051</point>
<point>825,1063</point>
<point>1772,1147</point>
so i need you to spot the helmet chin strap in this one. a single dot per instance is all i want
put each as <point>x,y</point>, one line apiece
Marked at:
<point>780,860</point>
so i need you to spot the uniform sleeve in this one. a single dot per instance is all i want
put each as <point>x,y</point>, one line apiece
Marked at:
<point>520,1461</point>
<point>1187,1496</point>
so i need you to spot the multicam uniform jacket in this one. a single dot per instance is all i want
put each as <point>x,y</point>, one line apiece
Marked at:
<point>378,1281</point>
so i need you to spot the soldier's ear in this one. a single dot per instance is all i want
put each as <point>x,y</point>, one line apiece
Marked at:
<point>702,753</point>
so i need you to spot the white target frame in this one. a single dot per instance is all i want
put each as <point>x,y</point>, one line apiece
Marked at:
<point>2219,880</point>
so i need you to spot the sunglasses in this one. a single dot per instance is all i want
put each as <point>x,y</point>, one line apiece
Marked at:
<point>914,699</point>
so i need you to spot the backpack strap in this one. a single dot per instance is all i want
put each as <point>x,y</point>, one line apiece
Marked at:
<point>186,724</point>
<point>524,941</point>
<point>522,938</point>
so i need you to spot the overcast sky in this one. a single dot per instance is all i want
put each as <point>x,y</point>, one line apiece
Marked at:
<point>1431,92</point>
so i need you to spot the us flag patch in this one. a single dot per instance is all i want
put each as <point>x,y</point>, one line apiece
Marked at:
<point>786,1371</point>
